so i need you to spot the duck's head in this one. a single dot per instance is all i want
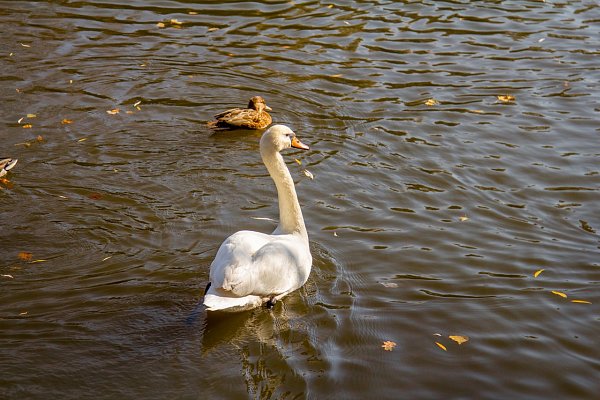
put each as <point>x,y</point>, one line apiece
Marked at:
<point>280,137</point>
<point>259,104</point>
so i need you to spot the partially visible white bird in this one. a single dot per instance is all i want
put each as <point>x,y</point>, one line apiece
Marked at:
<point>253,268</point>
<point>6,165</point>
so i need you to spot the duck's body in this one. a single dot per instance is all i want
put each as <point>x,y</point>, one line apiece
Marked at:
<point>6,165</point>
<point>252,268</point>
<point>253,117</point>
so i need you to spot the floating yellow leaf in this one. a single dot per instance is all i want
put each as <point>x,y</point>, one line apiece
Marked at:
<point>66,121</point>
<point>31,115</point>
<point>561,294</point>
<point>24,45</point>
<point>463,218</point>
<point>431,102</point>
<point>298,161</point>
<point>213,29</point>
<point>336,76</point>
<point>538,272</point>
<point>27,126</point>
<point>581,301</point>
<point>38,261</point>
<point>137,103</point>
<point>506,98</point>
<point>160,25</point>
<point>39,138</point>
<point>176,22</point>
<point>388,345</point>
<point>113,111</point>
<point>106,258</point>
<point>441,346</point>
<point>82,139</point>
<point>192,13</point>
<point>459,338</point>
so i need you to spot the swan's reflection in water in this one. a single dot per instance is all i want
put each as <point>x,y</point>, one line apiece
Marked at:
<point>285,351</point>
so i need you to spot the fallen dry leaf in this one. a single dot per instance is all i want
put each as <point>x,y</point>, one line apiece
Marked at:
<point>31,115</point>
<point>538,272</point>
<point>459,338</point>
<point>160,25</point>
<point>66,121</point>
<point>298,161</point>
<point>561,294</point>
<point>27,126</point>
<point>25,256</point>
<point>431,102</point>
<point>308,173</point>
<point>113,111</point>
<point>463,218</point>
<point>39,138</point>
<point>176,22</point>
<point>388,345</point>
<point>506,98</point>
<point>581,301</point>
<point>441,346</point>
<point>212,29</point>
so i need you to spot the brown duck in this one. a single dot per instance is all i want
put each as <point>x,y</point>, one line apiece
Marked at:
<point>253,117</point>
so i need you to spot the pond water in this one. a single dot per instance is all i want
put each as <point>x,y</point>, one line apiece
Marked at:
<point>455,152</point>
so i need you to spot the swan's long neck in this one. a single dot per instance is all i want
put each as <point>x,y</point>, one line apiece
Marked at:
<point>290,214</point>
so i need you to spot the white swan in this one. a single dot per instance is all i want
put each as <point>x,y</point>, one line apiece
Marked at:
<point>252,268</point>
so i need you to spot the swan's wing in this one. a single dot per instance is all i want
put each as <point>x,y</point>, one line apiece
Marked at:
<point>281,266</point>
<point>235,254</point>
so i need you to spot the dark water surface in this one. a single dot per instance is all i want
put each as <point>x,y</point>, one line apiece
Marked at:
<point>433,203</point>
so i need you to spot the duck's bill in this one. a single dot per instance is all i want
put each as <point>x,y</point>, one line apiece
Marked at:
<point>268,108</point>
<point>298,144</point>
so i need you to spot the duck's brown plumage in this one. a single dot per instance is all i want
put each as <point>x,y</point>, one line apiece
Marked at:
<point>253,117</point>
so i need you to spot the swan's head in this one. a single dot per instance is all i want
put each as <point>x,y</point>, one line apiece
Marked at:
<point>279,137</point>
<point>259,104</point>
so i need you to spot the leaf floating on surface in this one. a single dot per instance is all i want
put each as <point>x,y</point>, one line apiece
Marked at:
<point>389,284</point>
<point>308,173</point>
<point>66,121</point>
<point>431,102</point>
<point>463,218</point>
<point>459,338</point>
<point>441,346</point>
<point>581,301</point>
<point>561,294</point>
<point>25,256</point>
<point>388,345</point>
<point>538,272</point>
<point>113,111</point>
<point>27,126</point>
<point>506,98</point>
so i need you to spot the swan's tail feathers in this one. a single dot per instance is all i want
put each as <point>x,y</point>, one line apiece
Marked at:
<point>218,299</point>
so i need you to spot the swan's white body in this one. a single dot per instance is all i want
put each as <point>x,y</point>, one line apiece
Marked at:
<point>252,268</point>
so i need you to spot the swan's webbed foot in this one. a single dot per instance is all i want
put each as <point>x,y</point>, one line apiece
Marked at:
<point>271,302</point>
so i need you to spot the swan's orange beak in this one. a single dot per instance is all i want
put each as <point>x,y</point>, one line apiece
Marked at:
<point>298,144</point>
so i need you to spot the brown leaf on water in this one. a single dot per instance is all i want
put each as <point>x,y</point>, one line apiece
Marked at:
<point>506,98</point>
<point>388,345</point>
<point>581,301</point>
<point>39,138</point>
<point>27,126</point>
<point>561,294</point>
<point>431,102</point>
<point>459,338</point>
<point>441,346</point>
<point>25,256</point>
<point>95,196</point>
<point>212,29</point>
<point>31,115</point>
<point>160,25</point>
<point>66,121</point>
<point>538,272</point>
<point>113,111</point>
